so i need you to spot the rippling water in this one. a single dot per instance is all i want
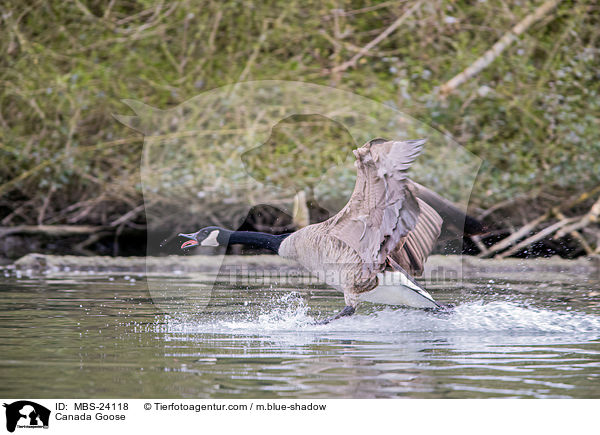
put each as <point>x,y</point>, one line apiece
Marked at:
<point>102,336</point>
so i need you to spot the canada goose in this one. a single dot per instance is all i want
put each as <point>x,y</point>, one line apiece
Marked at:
<point>369,249</point>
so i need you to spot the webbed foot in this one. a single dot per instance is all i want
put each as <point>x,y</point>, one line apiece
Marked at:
<point>347,311</point>
<point>442,309</point>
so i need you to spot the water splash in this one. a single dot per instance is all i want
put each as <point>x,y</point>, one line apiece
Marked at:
<point>291,313</point>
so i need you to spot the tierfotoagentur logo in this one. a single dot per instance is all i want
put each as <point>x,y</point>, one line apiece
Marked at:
<point>25,414</point>
<point>283,146</point>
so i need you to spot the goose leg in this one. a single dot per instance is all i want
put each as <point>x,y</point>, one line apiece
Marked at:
<point>347,311</point>
<point>443,309</point>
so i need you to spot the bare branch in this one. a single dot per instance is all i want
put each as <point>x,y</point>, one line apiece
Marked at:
<point>352,62</point>
<point>534,238</point>
<point>497,49</point>
<point>522,232</point>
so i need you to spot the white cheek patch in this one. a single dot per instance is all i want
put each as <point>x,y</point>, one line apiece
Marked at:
<point>211,240</point>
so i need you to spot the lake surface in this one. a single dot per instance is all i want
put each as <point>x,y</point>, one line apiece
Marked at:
<point>97,336</point>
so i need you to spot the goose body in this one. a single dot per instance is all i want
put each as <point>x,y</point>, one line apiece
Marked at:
<point>342,268</point>
<point>382,225</point>
<point>369,249</point>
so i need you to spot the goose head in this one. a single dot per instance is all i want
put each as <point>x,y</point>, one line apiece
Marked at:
<point>209,236</point>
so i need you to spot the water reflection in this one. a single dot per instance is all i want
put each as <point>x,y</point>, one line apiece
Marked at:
<point>102,336</point>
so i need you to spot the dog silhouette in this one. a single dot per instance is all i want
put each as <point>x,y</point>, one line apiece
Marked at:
<point>24,408</point>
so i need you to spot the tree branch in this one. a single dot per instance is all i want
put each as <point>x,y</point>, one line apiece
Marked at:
<point>352,62</point>
<point>497,49</point>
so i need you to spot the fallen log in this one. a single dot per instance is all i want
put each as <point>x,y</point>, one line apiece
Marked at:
<point>52,230</point>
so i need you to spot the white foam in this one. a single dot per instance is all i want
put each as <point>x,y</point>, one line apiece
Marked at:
<point>290,313</point>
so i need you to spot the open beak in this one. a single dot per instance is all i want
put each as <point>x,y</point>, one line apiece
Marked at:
<point>189,243</point>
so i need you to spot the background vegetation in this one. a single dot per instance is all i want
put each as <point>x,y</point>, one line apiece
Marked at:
<point>532,115</point>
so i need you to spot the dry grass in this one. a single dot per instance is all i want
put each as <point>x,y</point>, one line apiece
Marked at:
<point>532,114</point>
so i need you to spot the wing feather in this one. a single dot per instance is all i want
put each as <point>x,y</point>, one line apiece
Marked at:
<point>418,244</point>
<point>383,209</point>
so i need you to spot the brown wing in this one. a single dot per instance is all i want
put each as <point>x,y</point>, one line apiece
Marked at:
<point>457,222</point>
<point>419,243</point>
<point>382,209</point>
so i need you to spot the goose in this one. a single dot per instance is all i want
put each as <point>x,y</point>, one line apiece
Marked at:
<point>370,248</point>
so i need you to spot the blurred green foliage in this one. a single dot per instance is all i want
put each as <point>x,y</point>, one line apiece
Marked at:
<point>301,147</point>
<point>532,115</point>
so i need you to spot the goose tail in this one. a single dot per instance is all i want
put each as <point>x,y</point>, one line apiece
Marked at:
<point>397,288</point>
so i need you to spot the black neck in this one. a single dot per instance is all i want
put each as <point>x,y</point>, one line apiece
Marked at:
<point>256,239</point>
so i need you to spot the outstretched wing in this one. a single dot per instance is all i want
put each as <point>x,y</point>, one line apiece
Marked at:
<point>412,252</point>
<point>382,210</point>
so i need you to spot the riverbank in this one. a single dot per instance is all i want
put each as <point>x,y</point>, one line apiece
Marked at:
<point>438,266</point>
